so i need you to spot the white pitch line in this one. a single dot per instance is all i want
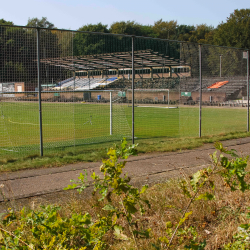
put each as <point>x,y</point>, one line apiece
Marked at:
<point>156,107</point>
<point>45,124</point>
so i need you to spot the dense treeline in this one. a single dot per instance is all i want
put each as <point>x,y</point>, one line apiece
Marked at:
<point>18,46</point>
<point>234,32</point>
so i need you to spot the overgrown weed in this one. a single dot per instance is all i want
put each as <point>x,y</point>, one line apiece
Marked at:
<point>197,211</point>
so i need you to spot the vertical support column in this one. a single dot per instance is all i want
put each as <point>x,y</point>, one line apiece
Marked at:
<point>163,70</point>
<point>170,72</point>
<point>248,91</point>
<point>123,79</point>
<point>168,98</point>
<point>133,94</point>
<point>89,79</point>
<point>220,65</point>
<point>151,73</point>
<point>189,71</point>
<point>142,71</point>
<point>39,91</point>
<point>200,70</point>
<point>74,75</point>
<point>111,115</point>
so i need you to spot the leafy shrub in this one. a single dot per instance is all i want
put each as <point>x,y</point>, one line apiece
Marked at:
<point>122,210</point>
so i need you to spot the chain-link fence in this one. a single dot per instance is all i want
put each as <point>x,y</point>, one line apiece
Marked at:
<point>62,88</point>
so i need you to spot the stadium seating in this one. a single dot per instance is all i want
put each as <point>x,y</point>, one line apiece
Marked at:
<point>84,83</point>
<point>231,86</point>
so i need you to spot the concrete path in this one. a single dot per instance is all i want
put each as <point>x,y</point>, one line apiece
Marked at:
<point>147,168</point>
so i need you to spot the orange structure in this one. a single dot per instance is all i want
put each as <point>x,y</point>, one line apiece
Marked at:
<point>217,85</point>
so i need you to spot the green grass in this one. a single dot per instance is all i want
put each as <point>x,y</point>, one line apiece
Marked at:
<point>96,152</point>
<point>74,132</point>
<point>67,124</point>
<point>215,120</point>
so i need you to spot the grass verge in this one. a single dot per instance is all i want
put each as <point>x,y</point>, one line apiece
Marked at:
<point>96,152</point>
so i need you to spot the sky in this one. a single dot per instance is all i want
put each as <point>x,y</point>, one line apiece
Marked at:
<point>73,14</point>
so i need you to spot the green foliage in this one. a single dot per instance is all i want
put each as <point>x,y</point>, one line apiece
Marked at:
<point>241,238</point>
<point>23,42</point>
<point>81,182</point>
<point>131,28</point>
<point>201,33</point>
<point>183,32</point>
<point>235,31</point>
<point>4,22</point>
<point>196,246</point>
<point>48,229</point>
<point>113,183</point>
<point>233,172</point>
<point>165,29</point>
<point>86,44</point>
<point>41,23</point>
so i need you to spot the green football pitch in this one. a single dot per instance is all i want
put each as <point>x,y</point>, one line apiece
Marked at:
<point>72,124</point>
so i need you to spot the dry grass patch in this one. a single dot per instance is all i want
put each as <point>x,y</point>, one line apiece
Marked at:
<point>195,211</point>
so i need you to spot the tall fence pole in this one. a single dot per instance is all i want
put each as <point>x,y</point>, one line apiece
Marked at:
<point>39,91</point>
<point>220,65</point>
<point>133,101</point>
<point>111,122</point>
<point>200,70</point>
<point>248,91</point>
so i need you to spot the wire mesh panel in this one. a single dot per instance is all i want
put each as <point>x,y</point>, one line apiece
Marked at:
<point>224,90</point>
<point>19,122</point>
<point>156,85</point>
<point>78,108</point>
<point>82,92</point>
<point>189,90</point>
<point>58,125</point>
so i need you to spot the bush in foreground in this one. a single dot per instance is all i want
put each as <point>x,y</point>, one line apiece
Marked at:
<point>206,210</point>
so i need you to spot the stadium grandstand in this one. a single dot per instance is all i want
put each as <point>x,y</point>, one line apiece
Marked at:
<point>102,70</point>
<point>79,83</point>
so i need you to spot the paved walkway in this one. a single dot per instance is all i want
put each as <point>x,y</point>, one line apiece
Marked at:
<point>48,183</point>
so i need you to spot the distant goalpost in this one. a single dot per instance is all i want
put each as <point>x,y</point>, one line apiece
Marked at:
<point>114,97</point>
<point>164,98</point>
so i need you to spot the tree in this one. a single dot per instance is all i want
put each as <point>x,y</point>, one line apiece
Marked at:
<point>201,34</point>
<point>41,23</point>
<point>87,43</point>
<point>49,45</point>
<point>183,32</point>
<point>4,22</point>
<point>165,29</point>
<point>132,28</point>
<point>95,28</point>
<point>16,52</point>
<point>236,31</point>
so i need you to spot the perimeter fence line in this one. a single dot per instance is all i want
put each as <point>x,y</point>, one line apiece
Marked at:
<point>63,88</point>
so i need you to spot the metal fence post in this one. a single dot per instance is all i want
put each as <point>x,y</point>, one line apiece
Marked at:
<point>111,115</point>
<point>133,107</point>
<point>39,91</point>
<point>200,70</point>
<point>248,91</point>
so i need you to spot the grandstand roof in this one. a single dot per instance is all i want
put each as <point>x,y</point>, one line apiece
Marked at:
<point>145,58</point>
